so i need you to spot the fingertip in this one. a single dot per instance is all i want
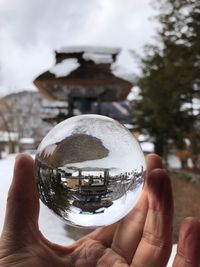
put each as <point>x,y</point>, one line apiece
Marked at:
<point>23,181</point>
<point>22,202</point>
<point>157,177</point>
<point>153,155</point>
<point>190,225</point>
<point>191,220</point>
<point>153,162</point>
<point>160,191</point>
<point>22,160</point>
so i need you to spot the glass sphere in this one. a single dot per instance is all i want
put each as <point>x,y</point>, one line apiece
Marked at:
<point>90,170</point>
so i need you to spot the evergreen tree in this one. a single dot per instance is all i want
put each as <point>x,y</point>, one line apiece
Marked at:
<point>170,75</point>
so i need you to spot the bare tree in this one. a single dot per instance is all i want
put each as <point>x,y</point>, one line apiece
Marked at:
<point>6,125</point>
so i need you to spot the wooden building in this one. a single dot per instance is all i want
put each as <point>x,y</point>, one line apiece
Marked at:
<point>85,78</point>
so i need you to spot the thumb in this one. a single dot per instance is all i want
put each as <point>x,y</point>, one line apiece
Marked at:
<point>21,220</point>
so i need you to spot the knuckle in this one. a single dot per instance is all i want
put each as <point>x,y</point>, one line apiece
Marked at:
<point>155,241</point>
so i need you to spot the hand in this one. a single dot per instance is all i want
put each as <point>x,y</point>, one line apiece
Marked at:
<point>143,238</point>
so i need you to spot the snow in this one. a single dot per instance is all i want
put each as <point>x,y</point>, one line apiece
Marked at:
<point>5,136</point>
<point>129,126</point>
<point>131,95</point>
<point>147,147</point>
<point>143,137</point>
<point>196,103</point>
<point>173,161</point>
<point>122,73</point>
<point>194,106</point>
<point>89,49</point>
<point>27,140</point>
<point>98,58</point>
<point>65,67</point>
<point>50,225</point>
<point>134,94</point>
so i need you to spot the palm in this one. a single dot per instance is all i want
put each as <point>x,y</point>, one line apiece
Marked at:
<point>41,255</point>
<point>90,251</point>
<point>143,238</point>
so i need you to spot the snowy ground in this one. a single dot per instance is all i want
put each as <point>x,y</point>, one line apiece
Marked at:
<point>51,226</point>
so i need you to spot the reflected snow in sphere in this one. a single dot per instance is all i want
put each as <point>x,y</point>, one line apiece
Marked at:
<point>90,170</point>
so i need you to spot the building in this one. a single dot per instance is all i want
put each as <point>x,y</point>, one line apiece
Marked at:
<point>86,78</point>
<point>27,144</point>
<point>11,143</point>
<point>8,143</point>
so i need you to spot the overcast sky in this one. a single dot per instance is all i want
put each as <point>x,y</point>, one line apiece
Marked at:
<point>31,30</point>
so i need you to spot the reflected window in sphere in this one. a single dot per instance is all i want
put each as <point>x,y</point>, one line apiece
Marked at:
<point>90,170</point>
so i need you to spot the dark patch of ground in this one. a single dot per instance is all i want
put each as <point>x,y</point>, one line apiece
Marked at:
<point>186,201</point>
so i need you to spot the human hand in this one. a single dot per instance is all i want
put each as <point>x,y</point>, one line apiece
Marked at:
<point>143,238</point>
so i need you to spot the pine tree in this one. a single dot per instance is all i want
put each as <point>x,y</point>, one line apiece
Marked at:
<point>170,75</point>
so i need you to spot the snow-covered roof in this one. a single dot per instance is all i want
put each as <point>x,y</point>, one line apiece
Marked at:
<point>27,140</point>
<point>98,58</point>
<point>65,67</point>
<point>134,94</point>
<point>5,136</point>
<point>89,49</point>
<point>122,73</point>
<point>99,55</point>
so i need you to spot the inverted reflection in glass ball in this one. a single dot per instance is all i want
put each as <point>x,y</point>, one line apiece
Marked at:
<point>90,170</point>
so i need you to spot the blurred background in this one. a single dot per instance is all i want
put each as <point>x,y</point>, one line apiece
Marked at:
<point>134,61</point>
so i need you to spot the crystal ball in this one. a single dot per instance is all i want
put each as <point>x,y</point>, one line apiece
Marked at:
<point>90,170</point>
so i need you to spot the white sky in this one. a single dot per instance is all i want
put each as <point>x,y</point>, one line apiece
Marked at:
<point>31,30</point>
